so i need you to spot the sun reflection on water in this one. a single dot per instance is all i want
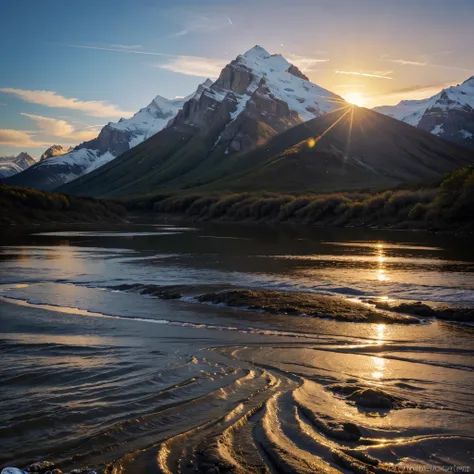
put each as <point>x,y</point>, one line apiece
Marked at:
<point>379,362</point>
<point>381,274</point>
<point>379,367</point>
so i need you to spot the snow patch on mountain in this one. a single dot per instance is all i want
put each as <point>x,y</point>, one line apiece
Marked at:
<point>11,164</point>
<point>257,95</point>
<point>448,114</point>
<point>408,111</point>
<point>302,96</point>
<point>113,140</point>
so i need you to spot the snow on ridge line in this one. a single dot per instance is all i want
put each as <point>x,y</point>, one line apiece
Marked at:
<point>298,93</point>
<point>146,122</point>
<point>411,111</point>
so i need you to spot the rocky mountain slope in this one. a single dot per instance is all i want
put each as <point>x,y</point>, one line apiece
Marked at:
<point>257,96</point>
<point>348,149</point>
<point>113,140</point>
<point>11,165</point>
<point>55,150</point>
<point>448,114</point>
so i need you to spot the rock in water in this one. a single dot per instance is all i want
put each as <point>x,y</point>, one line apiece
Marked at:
<point>371,398</point>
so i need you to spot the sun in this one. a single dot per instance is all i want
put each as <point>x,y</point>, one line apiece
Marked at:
<point>356,98</point>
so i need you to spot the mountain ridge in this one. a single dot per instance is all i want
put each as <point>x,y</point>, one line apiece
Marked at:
<point>448,114</point>
<point>351,148</point>
<point>256,96</point>
<point>11,165</point>
<point>114,139</point>
<point>55,150</point>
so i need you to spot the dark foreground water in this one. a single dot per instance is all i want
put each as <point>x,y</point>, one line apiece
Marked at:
<point>94,377</point>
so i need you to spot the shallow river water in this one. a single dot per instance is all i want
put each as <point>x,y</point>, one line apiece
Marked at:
<point>93,377</point>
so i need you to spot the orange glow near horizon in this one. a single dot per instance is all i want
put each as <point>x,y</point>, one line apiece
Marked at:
<point>356,98</point>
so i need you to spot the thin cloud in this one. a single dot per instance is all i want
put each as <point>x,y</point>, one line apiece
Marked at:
<point>203,24</point>
<point>438,86</point>
<point>454,68</point>
<point>125,47</point>
<point>411,93</point>
<point>56,127</point>
<point>61,128</point>
<point>351,86</point>
<point>94,108</point>
<point>50,129</point>
<point>407,62</point>
<point>189,65</point>
<point>118,50</point>
<point>195,66</point>
<point>366,74</point>
<point>305,63</point>
<point>19,139</point>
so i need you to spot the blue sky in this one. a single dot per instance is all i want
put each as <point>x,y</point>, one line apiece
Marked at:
<point>69,67</point>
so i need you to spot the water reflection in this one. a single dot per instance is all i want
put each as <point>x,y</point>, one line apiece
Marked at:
<point>381,275</point>
<point>379,367</point>
<point>379,362</point>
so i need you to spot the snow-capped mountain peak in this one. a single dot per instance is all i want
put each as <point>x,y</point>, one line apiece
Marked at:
<point>11,165</point>
<point>448,114</point>
<point>256,51</point>
<point>256,96</point>
<point>260,87</point>
<point>113,140</point>
<point>55,150</point>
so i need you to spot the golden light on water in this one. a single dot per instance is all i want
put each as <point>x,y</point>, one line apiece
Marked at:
<point>381,272</point>
<point>379,366</point>
<point>381,275</point>
<point>379,362</point>
<point>380,332</point>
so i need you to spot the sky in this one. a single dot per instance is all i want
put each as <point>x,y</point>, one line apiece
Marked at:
<point>69,67</point>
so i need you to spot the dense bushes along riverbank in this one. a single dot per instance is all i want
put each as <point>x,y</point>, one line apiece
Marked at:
<point>28,206</point>
<point>449,205</point>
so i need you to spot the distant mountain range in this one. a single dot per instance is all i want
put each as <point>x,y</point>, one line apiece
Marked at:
<point>348,149</point>
<point>252,129</point>
<point>11,165</point>
<point>256,96</point>
<point>113,140</point>
<point>448,114</point>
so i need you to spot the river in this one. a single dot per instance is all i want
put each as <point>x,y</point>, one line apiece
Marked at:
<point>97,377</point>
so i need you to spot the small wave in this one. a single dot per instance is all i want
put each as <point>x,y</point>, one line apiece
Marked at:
<point>189,324</point>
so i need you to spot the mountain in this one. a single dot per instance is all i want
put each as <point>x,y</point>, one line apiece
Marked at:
<point>55,150</point>
<point>448,114</point>
<point>257,96</point>
<point>113,140</point>
<point>349,149</point>
<point>11,165</point>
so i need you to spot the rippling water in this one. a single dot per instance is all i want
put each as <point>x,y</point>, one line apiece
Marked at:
<point>91,376</point>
